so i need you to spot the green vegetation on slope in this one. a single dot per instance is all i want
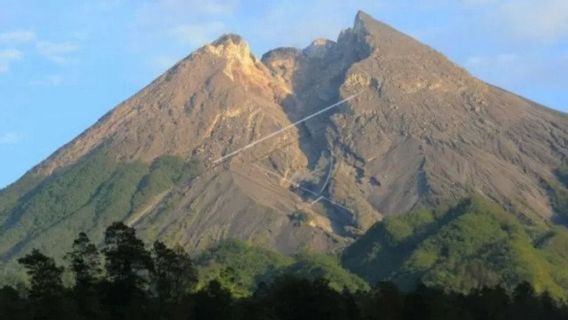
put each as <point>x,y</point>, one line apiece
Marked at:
<point>164,173</point>
<point>559,192</point>
<point>472,245</point>
<point>318,266</point>
<point>53,200</point>
<point>562,173</point>
<point>240,268</point>
<point>88,195</point>
<point>10,195</point>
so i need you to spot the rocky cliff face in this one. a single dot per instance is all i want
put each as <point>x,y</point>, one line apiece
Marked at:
<point>421,131</point>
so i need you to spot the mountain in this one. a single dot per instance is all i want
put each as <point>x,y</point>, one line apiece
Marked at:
<point>224,145</point>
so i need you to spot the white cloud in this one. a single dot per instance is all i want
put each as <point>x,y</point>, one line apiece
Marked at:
<point>7,57</point>
<point>198,34</point>
<point>14,37</point>
<point>57,52</point>
<point>48,81</point>
<point>536,19</point>
<point>10,138</point>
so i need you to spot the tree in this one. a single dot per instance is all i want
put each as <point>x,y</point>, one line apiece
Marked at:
<point>387,302</point>
<point>128,265</point>
<point>46,291</point>
<point>174,274</point>
<point>525,303</point>
<point>489,303</point>
<point>213,303</point>
<point>85,262</point>
<point>11,304</point>
<point>126,259</point>
<point>45,275</point>
<point>293,298</point>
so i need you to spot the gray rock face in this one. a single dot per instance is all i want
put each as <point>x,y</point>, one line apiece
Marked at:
<point>437,133</point>
<point>421,131</point>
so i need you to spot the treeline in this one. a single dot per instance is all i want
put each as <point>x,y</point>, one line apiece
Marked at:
<point>124,280</point>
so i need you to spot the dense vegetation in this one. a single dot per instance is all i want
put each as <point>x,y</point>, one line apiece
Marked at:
<point>472,245</point>
<point>88,195</point>
<point>124,280</point>
<point>240,268</point>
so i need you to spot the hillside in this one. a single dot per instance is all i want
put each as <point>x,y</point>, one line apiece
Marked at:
<point>472,245</point>
<point>240,268</point>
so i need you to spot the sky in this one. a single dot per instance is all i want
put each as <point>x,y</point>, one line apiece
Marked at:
<point>65,63</point>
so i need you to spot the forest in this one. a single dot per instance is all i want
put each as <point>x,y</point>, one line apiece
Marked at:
<point>125,280</point>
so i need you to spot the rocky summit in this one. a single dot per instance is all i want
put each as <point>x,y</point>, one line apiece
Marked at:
<point>192,159</point>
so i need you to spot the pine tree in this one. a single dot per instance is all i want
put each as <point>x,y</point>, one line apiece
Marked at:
<point>47,294</point>
<point>45,275</point>
<point>128,266</point>
<point>174,275</point>
<point>213,303</point>
<point>85,262</point>
<point>126,259</point>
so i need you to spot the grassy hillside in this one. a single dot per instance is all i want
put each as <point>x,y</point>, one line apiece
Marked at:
<point>240,268</point>
<point>471,245</point>
<point>88,196</point>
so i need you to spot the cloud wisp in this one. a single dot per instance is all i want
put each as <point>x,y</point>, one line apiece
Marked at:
<point>541,20</point>
<point>7,57</point>
<point>17,37</point>
<point>18,42</point>
<point>57,52</point>
<point>520,20</point>
<point>48,81</point>
<point>10,138</point>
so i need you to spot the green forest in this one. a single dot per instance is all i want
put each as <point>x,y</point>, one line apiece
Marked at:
<point>462,248</point>
<point>123,279</point>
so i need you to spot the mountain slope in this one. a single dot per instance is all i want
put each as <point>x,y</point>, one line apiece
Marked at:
<point>453,134</point>
<point>418,132</point>
<point>469,246</point>
<point>241,268</point>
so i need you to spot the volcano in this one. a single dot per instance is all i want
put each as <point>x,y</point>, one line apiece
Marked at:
<point>227,145</point>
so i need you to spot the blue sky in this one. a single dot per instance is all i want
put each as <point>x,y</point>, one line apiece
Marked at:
<point>64,63</point>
